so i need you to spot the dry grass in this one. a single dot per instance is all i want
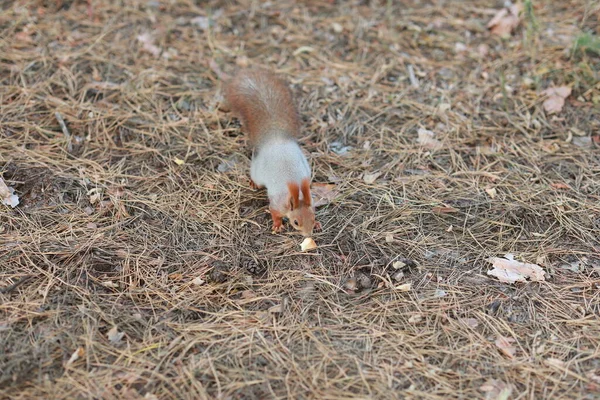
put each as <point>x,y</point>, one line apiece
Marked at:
<point>112,231</point>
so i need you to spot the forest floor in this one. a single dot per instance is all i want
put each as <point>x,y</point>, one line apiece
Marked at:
<point>140,264</point>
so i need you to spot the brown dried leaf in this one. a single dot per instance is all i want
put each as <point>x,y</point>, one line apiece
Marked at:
<point>505,20</point>
<point>505,346</point>
<point>323,193</point>
<point>555,98</point>
<point>427,139</point>
<point>508,270</point>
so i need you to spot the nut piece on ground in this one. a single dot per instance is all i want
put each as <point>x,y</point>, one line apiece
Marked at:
<point>308,244</point>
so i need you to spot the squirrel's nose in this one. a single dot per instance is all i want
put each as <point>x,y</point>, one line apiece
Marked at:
<point>307,232</point>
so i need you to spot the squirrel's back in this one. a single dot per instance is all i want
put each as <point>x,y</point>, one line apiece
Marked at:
<point>264,103</point>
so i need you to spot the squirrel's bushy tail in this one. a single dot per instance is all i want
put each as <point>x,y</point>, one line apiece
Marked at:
<point>264,103</point>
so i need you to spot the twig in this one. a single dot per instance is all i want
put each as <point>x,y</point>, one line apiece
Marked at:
<point>63,126</point>
<point>411,75</point>
<point>15,285</point>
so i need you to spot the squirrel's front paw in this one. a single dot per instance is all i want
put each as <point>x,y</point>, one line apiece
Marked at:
<point>318,226</point>
<point>277,228</point>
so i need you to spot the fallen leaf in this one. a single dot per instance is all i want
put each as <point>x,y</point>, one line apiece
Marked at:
<point>371,178</point>
<point>415,318</point>
<point>555,98</point>
<point>398,275</point>
<point>495,389</point>
<point>404,287</point>
<point>323,193</point>
<point>148,44</point>
<point>398,265</point>
<point>491,192</point>
<point>114,336</point>
<point>470,322</point>
<point>505,20</point>
<point>389,238</point>
<point>198,281</point>
<point>337,28</point>
<point>427,139</point>
<point>440,293</point>
<point>95,195</point>
<point>508,270</point>
<point>110,284</point>
<point>308,244</point>
<point>77,354</point>
<point>7,195</point>
<point>505,346</point>
<point>178,161</point>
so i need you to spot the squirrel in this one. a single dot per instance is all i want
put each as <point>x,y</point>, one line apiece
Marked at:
<point>264,103</point>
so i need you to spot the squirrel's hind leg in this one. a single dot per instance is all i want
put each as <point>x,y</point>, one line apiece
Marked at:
<point>254,186</point>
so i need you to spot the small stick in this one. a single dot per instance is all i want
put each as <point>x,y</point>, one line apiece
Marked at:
<point>15,285</point>
<point>411,75</point>
<point>63,126</point>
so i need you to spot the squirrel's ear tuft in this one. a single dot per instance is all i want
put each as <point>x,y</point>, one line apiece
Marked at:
<point>294,195</point>
<point>305,187</point>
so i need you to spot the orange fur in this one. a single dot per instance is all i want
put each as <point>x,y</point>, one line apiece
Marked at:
<point>294,195</point>
<point>305,188</point>
<point>264,103</point>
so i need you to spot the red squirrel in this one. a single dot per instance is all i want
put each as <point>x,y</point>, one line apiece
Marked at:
<point>264,103</point>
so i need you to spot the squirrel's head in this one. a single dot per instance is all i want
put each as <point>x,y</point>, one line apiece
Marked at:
<point>301,213</point>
